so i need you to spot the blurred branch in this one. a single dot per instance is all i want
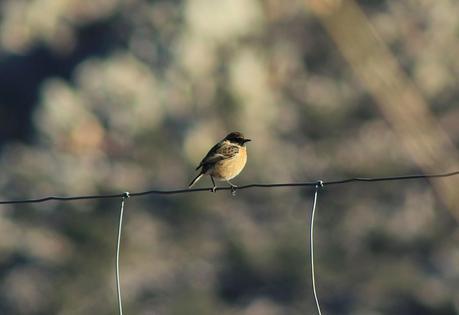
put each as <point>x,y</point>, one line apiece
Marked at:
<point>398,99</point>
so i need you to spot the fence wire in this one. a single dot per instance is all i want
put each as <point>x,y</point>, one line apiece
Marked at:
<point>182,191</point>
<point>317,184</point>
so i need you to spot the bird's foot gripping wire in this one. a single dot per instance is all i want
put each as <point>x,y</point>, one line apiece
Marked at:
<point>233,188</point>
<point>214,188</point>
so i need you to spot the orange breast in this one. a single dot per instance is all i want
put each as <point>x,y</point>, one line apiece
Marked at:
<point>230,168</point>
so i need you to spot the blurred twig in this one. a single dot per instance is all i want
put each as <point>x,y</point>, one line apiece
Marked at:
<point>397,97</point>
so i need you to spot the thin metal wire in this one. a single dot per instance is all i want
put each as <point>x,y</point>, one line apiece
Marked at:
<point>126,195</point>
<point>117,260</point>
<point>181,191</point>
<point>311,245</point>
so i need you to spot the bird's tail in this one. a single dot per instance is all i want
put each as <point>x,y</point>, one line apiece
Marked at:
<point>195,180</point>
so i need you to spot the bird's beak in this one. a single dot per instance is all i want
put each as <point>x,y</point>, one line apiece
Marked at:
<point>247,140</point>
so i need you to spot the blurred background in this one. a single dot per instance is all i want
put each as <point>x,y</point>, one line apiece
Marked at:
<point>109,96</point>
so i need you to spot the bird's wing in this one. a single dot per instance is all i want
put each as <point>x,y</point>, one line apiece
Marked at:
<point>228,151</point>
<point>220,151</point>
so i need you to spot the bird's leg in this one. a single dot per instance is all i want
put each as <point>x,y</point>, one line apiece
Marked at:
<point>231,184</point>
<point>214,188</point>
<point>233,187</point>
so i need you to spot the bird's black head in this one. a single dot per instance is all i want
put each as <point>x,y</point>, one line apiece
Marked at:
<point>236,137</point>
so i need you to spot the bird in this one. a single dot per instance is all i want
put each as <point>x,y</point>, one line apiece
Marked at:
<point>225,160</point>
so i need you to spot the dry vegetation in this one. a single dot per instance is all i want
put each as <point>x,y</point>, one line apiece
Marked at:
<point>139,92</point>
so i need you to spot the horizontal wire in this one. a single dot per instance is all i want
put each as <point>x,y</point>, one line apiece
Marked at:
<point>182,191</point>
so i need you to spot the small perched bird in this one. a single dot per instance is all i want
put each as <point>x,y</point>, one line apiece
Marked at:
<point>225,160</point>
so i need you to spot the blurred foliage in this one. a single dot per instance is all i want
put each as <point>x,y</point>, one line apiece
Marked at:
<point>129,95</point>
